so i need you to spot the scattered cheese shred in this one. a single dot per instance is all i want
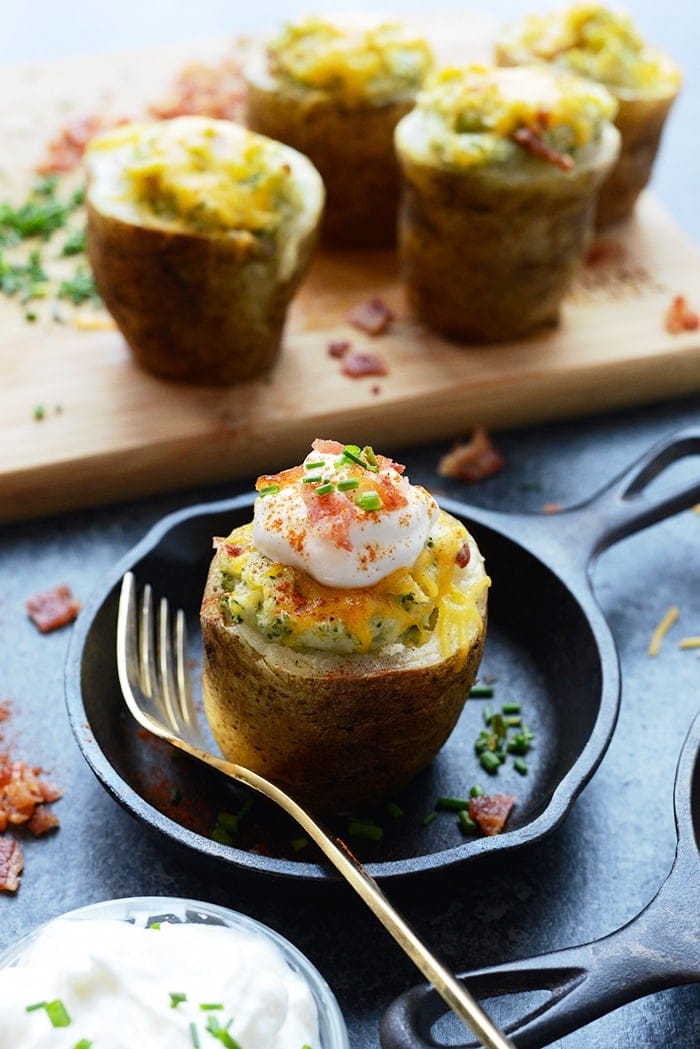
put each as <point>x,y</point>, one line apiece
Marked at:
<point>690,642</point>
<point>662,629</point>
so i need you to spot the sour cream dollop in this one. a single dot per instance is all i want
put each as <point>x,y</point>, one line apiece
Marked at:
<point>122,986</point>
<point>347,524</point>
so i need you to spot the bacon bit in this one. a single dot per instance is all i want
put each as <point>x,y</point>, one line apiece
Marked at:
<point>42,821</point>
<point>372,316</point>
<point>11,864</point>
<point>551,508</point>
<point>330,516</point>
<point>216,91</point>
<point>284,477</point>
<point>662,629</point>
<point>338,347</point>
<point>473,461</point>
<point>490,812</point>
<point>463,555</point>
<point>233,549</point>
<point>21,791</point>
<point>358,365</point>
<point>53,609</point>
<point>65,151</point>
<point>679,317</point>
<point>326,447</point>
<point>537,147</point>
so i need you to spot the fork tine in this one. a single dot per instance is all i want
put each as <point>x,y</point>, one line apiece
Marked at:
<point>127,629</point>
<point>147,662</point>
<point>166,664</point>
<point>185,699</point>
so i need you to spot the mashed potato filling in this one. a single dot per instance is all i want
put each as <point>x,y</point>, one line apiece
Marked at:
<point>355,61</point>
<point>437,596</point>
<point>595,42</point>
<point>473,116</point>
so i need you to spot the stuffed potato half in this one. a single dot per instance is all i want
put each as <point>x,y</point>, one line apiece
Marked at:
<point>341,694</point>
<point>199,233</point>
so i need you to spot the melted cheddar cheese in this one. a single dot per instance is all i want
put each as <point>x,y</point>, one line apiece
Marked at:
<point>439,596</point>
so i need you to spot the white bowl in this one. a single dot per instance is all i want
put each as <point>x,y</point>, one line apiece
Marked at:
<point>145,910</point>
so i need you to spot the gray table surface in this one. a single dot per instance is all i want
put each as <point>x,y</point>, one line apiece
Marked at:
<point>612,853</point>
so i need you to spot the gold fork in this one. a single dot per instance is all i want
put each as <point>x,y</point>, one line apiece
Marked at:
<point>155,681</point>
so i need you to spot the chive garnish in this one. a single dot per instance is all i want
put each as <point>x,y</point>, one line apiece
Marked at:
<point>394,810</point>
<point>372,464</point>
<point>466,823</point>
<point>352,452</point>
<point>313,479</point>
<point>84,1043</point>
<point>154,925</point>
<point>318,464</point>
<point>347,484</point>
<point>427,820</point>
<point>299,843</point>
<point>269,489</point>
<point>520,766</point>
<point>511,708</point>
<point>325,489</point>
<point>369,501</point>
<point>487,714</point>
<point>489,761</point>
<point>481,692</point>
<point>176,997</point>
<point>194,1035</point>
<point>208,1006</point>
<point>365,829</point>
<point>35,1006</point>
<point>452,804</point>
<point>57,1013</point>
<point>476,791</point>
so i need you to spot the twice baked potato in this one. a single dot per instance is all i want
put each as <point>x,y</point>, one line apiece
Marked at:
<point>342,629</point>
<point>501,168</point>
<point>604,45</point>
<point>199,233</point>
<point>335,91</point>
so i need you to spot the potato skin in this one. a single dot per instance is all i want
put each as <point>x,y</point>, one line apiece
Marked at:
<point>353,149</point>
<point>336,738</point>
<point>198,309</point>
<point>487,255</point>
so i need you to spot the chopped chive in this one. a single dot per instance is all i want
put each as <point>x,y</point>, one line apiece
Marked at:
<point>481,692</point>
<point>394,810</point>
<point>318,464</point>
<point>269,489</point>
<point>208,1006</point>
<point>520,766</point>
<point>325,489</point>
<point>369,501</point>
<point>154,925</point>
<point>371,459</point>
<point>313,479</point>
<point>427,820</point>
<point>476,791</point>
<point>514,722</point>
<point>365,829</point>
<point>57,1013</point>
<point>176,997</point>
<point>176,795</point>
<point>39,412</point>
<point>347,484</point>
<point>35,1006</point>
<point>487,714</point>
<point>84,1043</point>
<point>511,708</point>
<point>466,823</point>
<point>452,804</point>
<point>194,1035</point>
<point>489,761</point>
<point>299,843</point>
<point>352,452</point>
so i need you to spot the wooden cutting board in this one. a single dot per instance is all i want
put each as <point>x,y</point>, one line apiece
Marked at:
<point>110,431</point>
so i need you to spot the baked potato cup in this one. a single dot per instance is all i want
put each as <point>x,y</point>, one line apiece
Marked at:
<point>604,45</point>
<point>489,248</point>
<point>342,693</point>
<point>340,108</point>
<point>196,300</point>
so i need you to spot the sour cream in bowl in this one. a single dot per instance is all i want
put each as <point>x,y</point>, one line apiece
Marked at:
<point>164,973</point>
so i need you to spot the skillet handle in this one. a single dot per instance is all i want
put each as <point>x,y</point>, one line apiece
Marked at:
<point>659,948</point>
<point>623,506</point>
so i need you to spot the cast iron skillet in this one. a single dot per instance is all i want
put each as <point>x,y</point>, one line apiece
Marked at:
<point>548,647</point>
<point>659,948</point>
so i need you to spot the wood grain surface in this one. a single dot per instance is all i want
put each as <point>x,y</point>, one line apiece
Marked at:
<point>111,431</point>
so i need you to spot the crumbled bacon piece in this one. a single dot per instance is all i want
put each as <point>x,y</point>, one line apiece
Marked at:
<point>679,317</point>
<point>356,365</point>
<point>490,811</point>
<point>330,516</point>
<point>52,609</point>
<point>326,447</point>
<point>21,790</point>
<point>41,821</point>
<point>533,144</point>
<point>11,864</point>
<point>216,91</point>
<point>474,461</point>
<point>338,347</point>
<point>372,316</point>
<point>463,555</point>
<point>65,151</point>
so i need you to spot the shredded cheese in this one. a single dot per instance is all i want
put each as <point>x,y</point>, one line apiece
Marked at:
<point>662,629</point>
<point>690,642</point>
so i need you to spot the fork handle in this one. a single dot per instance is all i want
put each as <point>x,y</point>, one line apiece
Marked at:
<point>347,864</point>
